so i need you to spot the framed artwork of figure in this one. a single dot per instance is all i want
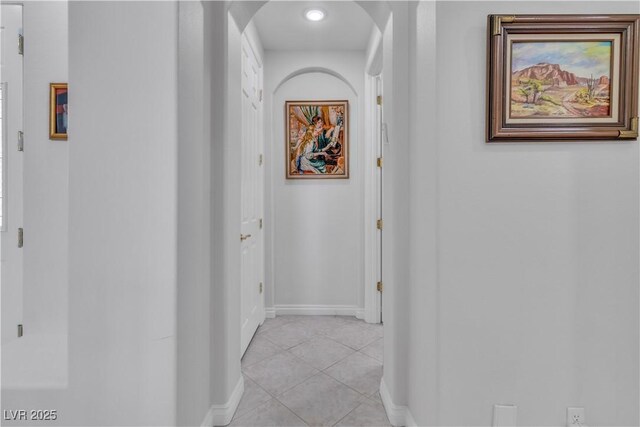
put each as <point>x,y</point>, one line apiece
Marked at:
<point>317,139</point>
<point>58,111</point>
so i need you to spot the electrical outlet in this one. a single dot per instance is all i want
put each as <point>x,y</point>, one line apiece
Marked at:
<point>575,417</point>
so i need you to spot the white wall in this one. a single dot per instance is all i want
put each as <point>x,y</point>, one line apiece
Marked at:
<point>46,175</point>
<point>122,207</point>
<point>423,349</point>
<point>536,263</point>
<point>314,233</point>
<point>39,358</point>
<point>396,201</point>
<point>208,353</point>
<point>122,168</point>
<point>224,362</point>
<point>193,290</point>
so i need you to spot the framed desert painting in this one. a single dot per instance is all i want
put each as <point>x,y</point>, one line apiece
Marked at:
<point>562,77</point>
<point>317,141</point>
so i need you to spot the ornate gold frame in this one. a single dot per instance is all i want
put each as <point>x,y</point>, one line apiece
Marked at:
<point>347,142</point>
<point>52,111</point>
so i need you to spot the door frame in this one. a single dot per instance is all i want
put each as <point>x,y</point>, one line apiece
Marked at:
<point>373,186</point>
<point>12,260</point>
<point>248,37</point>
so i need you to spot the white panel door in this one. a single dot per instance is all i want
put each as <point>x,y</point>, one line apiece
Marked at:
<point>251,240</point>
<point>11,270</point>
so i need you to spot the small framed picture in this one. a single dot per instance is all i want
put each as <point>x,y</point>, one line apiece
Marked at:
<point>317,141</point>
<point>58,115</point>
<point>562,77</point>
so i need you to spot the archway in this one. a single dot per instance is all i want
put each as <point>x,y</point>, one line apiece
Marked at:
<point>220,34</point>
<point>243,11</point>
<point>310,68</point>
<point>289,201</point>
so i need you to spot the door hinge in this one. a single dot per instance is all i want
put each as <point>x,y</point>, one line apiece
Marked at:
<point>379,224</point>
<point>379,100</point>
<point>20,44</point>
<point>260,223</point>
<point>20,331</point>
<point>379,162</point>
<point>260,160</point>
<point>260,95</point>
<point>379,286</point>
<point>20,141</point>
<point>260,287</point>
<point>20,237</point>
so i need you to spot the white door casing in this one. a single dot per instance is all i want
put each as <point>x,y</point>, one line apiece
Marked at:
<point>252,178</point>
<point>11,265</point>
<point>373,200</point>
<point>378,191</point>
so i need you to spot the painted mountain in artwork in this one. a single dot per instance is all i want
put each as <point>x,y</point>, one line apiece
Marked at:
<point>548,73</point>
<point>561,79</point>
<point>549,91</point>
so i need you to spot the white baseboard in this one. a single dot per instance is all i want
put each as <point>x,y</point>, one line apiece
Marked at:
<point>315,310</point>
<point>410,422</point>
<point>398,415</point>
<point>270,313</point>
<point>221,415</point>
<point>360,314</point>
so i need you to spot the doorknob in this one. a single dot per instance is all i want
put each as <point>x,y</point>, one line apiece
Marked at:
<point>244,237</point>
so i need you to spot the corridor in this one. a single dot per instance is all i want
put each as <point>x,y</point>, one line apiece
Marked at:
<point>207,208</point>
<point>313,370</point>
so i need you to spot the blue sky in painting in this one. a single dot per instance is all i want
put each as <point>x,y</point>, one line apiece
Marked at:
<point>581,58</point>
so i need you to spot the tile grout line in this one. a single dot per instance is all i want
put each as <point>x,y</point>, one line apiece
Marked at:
<point>276,396</point>
<point>346,345</point>
<point>280,350</point>
<point>369,357</point>
<point>288,350</point>
<point>338,422</point>
<point>340,360</point>
<point>348,386</point>
<point>283,404</point>
<point>271,397</point>
<point>273,328</point>
<point>295,385</point>
<point>263,404</point>
<point>317,334</point>
<point>321,372</point>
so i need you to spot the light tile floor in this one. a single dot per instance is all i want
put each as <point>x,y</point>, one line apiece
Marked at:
<point>313,370</point>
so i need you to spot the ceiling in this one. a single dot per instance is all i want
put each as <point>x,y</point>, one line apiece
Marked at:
<point>283,26</point>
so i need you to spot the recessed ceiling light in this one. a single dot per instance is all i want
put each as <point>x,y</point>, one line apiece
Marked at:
<point>314,15</point>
